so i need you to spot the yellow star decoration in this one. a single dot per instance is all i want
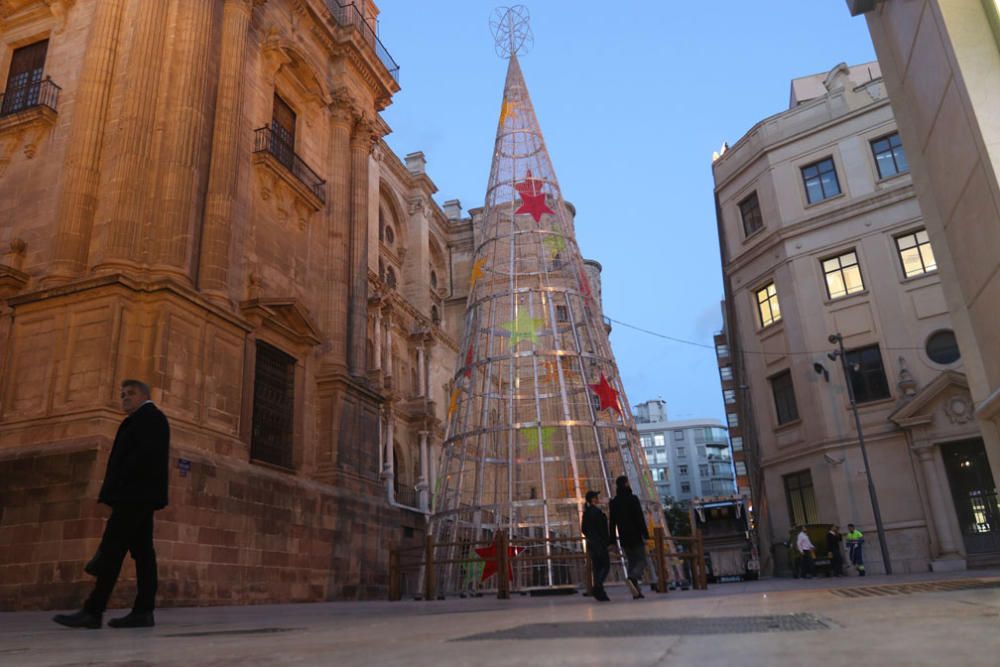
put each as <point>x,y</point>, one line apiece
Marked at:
<point>453,401</point>
<point>507,110</point>
<point>555,244</point>
<point>477,272</point>
<point>525,327</point>
<point>544,438</point>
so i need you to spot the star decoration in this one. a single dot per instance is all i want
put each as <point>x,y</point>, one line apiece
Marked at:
<point>490,564</point>
<point>607,394</point>
<point>555,244</point>
<point>477,272</point>
<point>507,110</point>
<point>584,285</point>
<point>473,570</point>
<point>532,197</point>
<point>468,362</point>
<point>551,372</point>
<point>453,401</point>
<point>544,438</point>
<point>525,327</point>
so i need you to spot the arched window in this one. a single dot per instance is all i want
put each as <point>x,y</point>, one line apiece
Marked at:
<point>390,236</point>
<point>435,315</point>
<point>434,279</point>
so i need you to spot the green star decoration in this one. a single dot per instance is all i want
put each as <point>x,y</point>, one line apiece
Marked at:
<point>473,572</point>
<point>525,327</point>
<point>544,438</point>
<point>555,244</point>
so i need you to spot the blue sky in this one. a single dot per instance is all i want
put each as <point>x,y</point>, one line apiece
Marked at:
<point>631,105</point>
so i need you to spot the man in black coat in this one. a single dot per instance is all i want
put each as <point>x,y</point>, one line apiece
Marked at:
<point>135,486</point>
<point>595,528</point>
<point>628,524</point>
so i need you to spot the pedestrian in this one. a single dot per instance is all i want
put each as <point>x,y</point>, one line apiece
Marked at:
<point>855,548</point>
<point>135,486</point>
<point>806,550</point>
<point>833,552</point>
<point>595,528</point>
<point>628,526</point>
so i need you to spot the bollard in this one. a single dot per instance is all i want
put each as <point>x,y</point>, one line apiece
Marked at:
<point>429,593</point>
<point>661,564</point>
<point>395,592</point>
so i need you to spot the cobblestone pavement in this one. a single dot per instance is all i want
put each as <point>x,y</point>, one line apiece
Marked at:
<point>909,620</point>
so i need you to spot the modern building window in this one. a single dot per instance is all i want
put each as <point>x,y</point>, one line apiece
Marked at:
<point>889,156</point>
<point>820,180</point>
<point>283,132</point>
<point>767,305</point>
<point>732,419</point>
<point>682,470</point>
<point>867,375</point>
<point>685,487</point>
<point>678,435</point>
<point>703,469</point>
<point>741,468</point>
<point>682,452</point>
<point>273,406</point>
<point>843,275</point>
<point>722,351</point>
<point>915,253</point>
<point>737,444</point>
<point>646,441</point>
<point>726,373</point>
<point>729,395</point>
<point>750,213</point>
<point>661,456</point>
<point>942,347</point>
<point>659,440</point>
<point>24,78</point>
<point>784,397</point>
<point>701,452</point>
<point>801,498</point>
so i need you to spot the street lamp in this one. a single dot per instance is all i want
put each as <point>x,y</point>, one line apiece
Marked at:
<point>839,352</point>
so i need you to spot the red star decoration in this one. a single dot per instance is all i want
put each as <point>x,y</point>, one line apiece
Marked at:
<point>468,362</point>
<point>607,394</point>
<point>532,197</point>
<point>490,565</point>
<point>584,285</point>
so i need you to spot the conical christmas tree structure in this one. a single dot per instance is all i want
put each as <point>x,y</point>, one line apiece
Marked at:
<point>537,415</point>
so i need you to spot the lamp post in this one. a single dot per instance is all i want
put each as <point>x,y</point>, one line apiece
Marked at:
<point>839,352</point>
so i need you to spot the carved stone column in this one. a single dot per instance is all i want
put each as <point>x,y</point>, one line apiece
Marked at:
<point>130,186</point>
<point>362,142</point>
<point>377,360</point>
<point>82,167</point>
<point>342,117</point>
<point>935,497</point>
<point>389,465</point>
<point>216,239</point>
<point>423,485</point>
<point>421,373</point>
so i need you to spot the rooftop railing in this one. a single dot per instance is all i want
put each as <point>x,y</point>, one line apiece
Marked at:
<point>349,15</point>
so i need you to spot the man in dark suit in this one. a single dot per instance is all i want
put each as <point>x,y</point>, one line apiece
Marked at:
<point>135,486</point>
<point>628,525</point>
<point>595,528</point>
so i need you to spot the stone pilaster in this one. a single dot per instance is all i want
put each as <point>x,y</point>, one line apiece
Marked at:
<point>216,240</point>
<point>423,484</point>
<point>187,126</point>
<point>935,497</point>
<point>82,166</point>
<point>362,142</point>
<point>131,185</point>
<point>339,222</point>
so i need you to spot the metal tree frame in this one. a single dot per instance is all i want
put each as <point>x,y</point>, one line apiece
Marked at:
<point>527,436</point>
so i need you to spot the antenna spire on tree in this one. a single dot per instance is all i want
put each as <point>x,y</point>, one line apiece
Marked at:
<point>511,31</point>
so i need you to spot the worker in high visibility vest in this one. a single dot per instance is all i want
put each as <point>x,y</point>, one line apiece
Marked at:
<point>855,544</point>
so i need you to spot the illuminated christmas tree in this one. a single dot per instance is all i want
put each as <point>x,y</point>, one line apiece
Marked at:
<point>537,415</point>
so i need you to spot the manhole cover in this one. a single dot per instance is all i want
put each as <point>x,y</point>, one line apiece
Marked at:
<point>219,633</point>
<point>909,589</point>
<point>654,627</point>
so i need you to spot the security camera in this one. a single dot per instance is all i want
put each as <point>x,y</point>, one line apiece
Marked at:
<point>833,460</point>
<point>821,370</point>
<point>834,338</point>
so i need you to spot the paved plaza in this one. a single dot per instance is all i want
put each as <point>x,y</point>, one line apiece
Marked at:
<point>904,620</point>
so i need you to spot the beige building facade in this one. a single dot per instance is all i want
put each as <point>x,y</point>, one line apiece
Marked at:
<point>941,66</point>
<point>821,233</point>
<point>196,193</point>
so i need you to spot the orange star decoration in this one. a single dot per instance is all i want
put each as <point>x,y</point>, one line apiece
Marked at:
<point>507,110</point>
<point>453,401</point>
<point>551,372</point>
<point>477,272</point>
<point>532,197</point>
<point>607,394</point>
<point>490,565</point>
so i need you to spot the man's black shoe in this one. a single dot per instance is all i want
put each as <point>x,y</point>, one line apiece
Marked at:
<point>81,619</point>
<point>601,595</point>
<point>135,619</point>
<point>92,565</point>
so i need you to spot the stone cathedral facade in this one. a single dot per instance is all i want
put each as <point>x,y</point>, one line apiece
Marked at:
<point>196,193</point>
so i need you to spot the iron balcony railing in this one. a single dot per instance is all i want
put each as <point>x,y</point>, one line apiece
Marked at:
<point>266,141</point>
<point>349,15</point>
<point>42,93</point>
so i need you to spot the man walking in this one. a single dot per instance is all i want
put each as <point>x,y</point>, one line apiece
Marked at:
<point>628,525</point>
<point>595,528</point>
<point>806,550</point>
<point>855,544</point>
<point>135,486</point>
<point>833,552</point>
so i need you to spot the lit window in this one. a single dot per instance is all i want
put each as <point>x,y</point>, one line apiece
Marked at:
<point>889,156</point>
<point>801,498</point>
<point>646,441</point>
<point>767,305</point>
<point>843,275</point>
<point>726,372</point>
<point>820,180</point>
<point>750,213</point>
<point>915,253</point>
<point>659,440</point>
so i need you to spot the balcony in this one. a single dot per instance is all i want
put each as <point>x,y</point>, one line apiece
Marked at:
<point>33,104</point>
<point>348,15</point>
<point>280,157</point>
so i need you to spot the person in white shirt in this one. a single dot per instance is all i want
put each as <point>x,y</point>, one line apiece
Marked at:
<point>806,550</point>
